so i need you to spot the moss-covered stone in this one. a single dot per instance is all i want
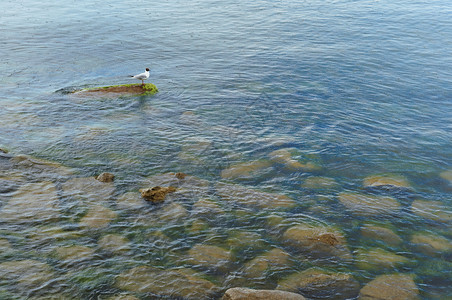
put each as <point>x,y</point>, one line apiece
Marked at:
<point>123,89</point>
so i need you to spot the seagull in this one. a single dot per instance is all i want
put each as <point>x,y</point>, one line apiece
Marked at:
<point>142,76</point>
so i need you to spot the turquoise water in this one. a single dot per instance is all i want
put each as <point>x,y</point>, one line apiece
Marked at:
<point>355,88</point>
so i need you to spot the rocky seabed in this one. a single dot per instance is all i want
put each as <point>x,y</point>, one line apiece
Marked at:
<point>64,236</point>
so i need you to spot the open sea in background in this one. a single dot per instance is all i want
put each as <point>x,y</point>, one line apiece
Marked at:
<point>348,89</point>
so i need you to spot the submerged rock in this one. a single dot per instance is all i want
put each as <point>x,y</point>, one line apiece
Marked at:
<point>273,260</point>
<point>41,168</point>
<point>432,244</point>
<point>391,287</point>
<point>156,194</point>
<point>125,89</point>
<point>11,180</point>
<point>239,293</point>
<point>28,274</point>
<point>197,226</point>
<point>130,200</point>
<point>321,284</point>
<point>246,169</point>
<point>88,189</point>
<point>48,235</point>
<point>244,240</point>
<point>172,212</point>
<point>369,205</point>
<point>32,202</point>
<point>447,175</point>
<point>379,259</point>
<point>209,257</point>
<point>285,157</point>
<point>75,253</point>
<point>123,297</point>
<point>195,148</point>
<point>384,234</point>
<point>389,180</point>
<point>172,283</point>
<point>252,198</point>
<point>5,246</point>
<point>319,183</point>
<point>317,241</point>
<point>106,177</point>
<point>114,243</point>
<point>98,216</point>
<point>186,185</point>
<point>433,210</point>
<point>207,208</point>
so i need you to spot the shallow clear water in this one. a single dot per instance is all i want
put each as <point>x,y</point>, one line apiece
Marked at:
<point>355,88</point>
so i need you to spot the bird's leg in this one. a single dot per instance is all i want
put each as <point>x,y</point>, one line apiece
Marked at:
<point>142,82</point>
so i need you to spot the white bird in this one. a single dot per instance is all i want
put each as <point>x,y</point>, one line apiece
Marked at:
<point>142,76</point>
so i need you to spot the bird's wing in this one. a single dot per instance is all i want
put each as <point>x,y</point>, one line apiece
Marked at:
<point>140,76</point>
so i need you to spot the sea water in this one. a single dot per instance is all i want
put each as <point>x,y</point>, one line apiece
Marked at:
<point>306,99</point>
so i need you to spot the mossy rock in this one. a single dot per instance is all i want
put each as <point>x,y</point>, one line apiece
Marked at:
<point>123,89</point>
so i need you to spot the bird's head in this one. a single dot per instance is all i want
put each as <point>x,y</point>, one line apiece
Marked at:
<point>147,69</point>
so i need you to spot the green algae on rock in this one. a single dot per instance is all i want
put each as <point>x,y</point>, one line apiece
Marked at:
<point>123,89</point>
